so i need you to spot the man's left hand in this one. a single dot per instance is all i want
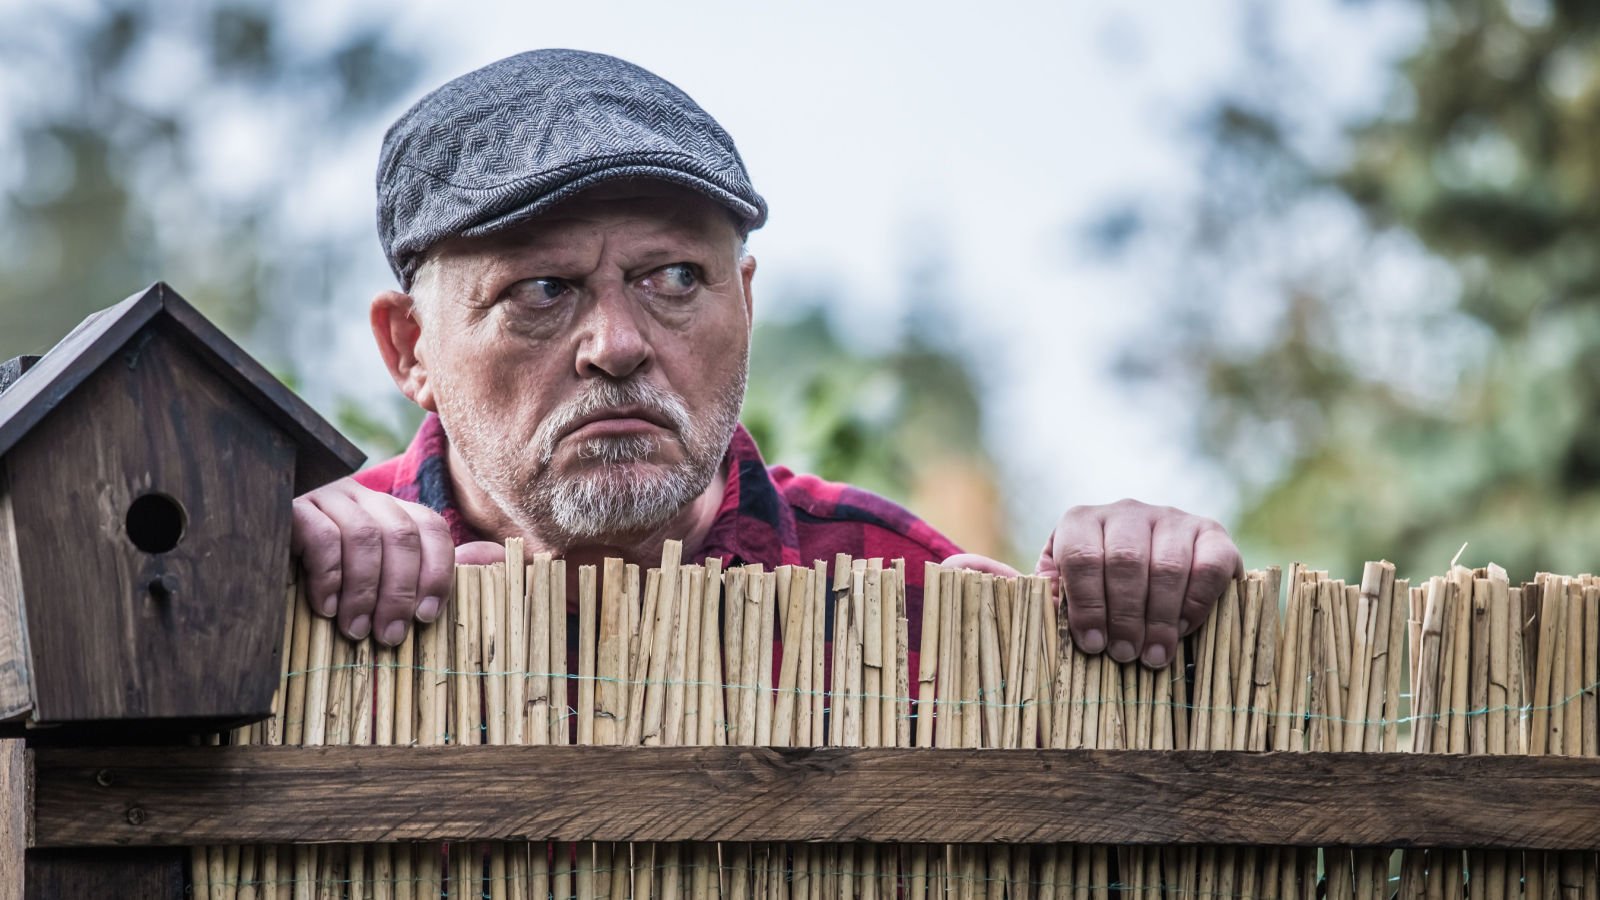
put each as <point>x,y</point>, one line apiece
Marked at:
<point>1138,577</point>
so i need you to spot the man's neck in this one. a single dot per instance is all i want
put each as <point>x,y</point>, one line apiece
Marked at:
<point>691,526</point>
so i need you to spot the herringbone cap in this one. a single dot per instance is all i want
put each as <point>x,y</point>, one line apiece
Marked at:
<point>503,144</point>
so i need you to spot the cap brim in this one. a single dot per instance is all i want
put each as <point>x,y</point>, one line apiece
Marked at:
<point>750,215</point>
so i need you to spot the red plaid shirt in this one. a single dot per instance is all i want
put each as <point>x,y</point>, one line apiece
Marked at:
<point>769,515</point>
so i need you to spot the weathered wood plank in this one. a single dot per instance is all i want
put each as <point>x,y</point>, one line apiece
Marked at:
<point>16,666</point>
<point>14,813</point>
<point>145,873</point>
<point>280,794</point>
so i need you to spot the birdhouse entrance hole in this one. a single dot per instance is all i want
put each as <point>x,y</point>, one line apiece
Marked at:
<point>155,523</point>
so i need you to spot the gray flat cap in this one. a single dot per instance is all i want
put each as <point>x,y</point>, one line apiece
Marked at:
<point>501,145</point>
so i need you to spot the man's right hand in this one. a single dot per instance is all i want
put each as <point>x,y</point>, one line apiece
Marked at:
<point>376,562</point>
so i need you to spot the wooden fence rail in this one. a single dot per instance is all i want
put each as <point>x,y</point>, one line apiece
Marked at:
<point>247,794</point>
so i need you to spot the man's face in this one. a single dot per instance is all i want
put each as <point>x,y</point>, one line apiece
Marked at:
<point>589,367</point>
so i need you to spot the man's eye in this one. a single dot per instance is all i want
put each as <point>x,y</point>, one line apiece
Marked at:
<point>676,280</point>
<point>538,291</point>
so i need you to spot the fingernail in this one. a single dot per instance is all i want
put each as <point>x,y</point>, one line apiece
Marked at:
<point>428,609</point>
<point>360,627</point>
<point>395,633</point>
<point>1155,656</point>
<point>330,606</point>
<point>1122,651</point>
<point>1093,641</point>
<point>1183,626</point>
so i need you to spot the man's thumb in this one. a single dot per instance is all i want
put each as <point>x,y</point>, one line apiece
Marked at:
<point>480,553</point>
<point>980,564</point>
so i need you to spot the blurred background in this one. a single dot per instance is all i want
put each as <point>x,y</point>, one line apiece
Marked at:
<point>1326,270</point>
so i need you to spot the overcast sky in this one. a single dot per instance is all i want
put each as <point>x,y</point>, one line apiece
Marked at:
<point>987,131</point>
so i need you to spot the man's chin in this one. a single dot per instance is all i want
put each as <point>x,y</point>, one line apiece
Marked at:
<point>616,502</point>
<point>623,471</point>
<point>593,456</point>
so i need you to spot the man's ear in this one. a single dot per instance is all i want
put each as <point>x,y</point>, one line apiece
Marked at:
<point>399,334</point>
<point>747,274</point>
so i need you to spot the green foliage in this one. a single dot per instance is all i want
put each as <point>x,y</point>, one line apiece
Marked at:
<point>900,416</point>
<point>818,405</point>
<point>121,183</point>
<point>1397,348</point>
<point>380,437</point>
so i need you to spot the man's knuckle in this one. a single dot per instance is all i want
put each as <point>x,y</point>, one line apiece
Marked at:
<point>1126,615</point>
<point>1160,631</point>
<point>1083,596</point>
<point>1168,570</point>
<point>399,598</point>
<point>1082,558</point>
<point>1168,580</point>
<point>1125,559</point>
<point>321,534</point>
<point>365,536</point>
<point>406,537</point>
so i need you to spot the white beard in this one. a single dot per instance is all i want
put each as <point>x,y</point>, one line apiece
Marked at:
<point>619,492</point>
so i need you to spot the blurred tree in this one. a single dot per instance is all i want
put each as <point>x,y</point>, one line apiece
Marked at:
<point>904,421</point>
<point>1394,344</point>
<point>172,141</point>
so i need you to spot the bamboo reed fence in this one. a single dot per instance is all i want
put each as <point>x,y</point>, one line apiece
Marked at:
<point>694,655</point>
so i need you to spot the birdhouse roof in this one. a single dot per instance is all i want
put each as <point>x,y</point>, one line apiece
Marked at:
<point>324,454</point>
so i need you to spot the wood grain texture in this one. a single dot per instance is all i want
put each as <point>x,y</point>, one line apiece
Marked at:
<point>350,794</point>
<point>145,874</point>
<point>15,811</point>
<point>16,667</point>
<point>102,643</point>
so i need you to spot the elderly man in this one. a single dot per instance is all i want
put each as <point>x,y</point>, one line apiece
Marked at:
<point>574,313</point>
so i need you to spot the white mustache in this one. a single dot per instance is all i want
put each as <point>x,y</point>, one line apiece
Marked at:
<point>604,395</point>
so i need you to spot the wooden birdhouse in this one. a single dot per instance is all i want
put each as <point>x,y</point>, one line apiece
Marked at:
<point>147,471</point>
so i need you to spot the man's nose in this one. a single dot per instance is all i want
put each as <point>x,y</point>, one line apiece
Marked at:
<point>613,342</point>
